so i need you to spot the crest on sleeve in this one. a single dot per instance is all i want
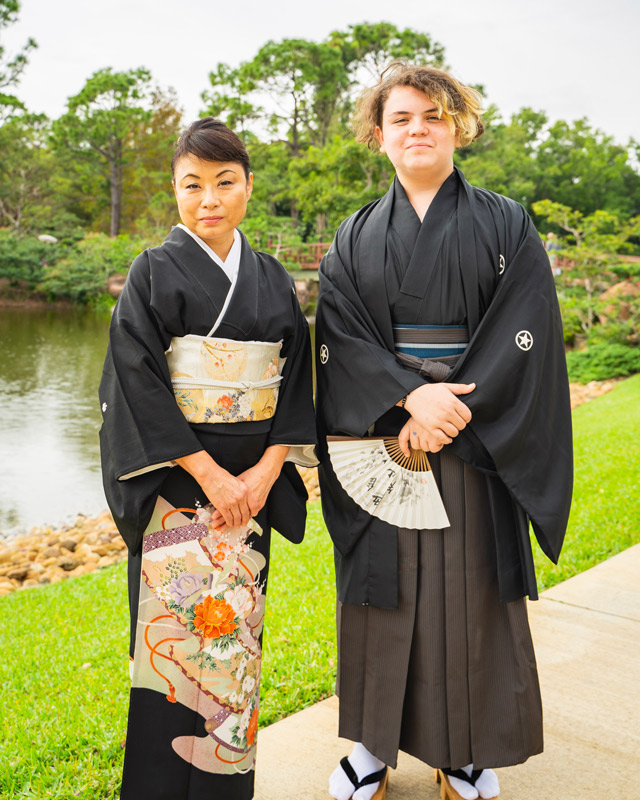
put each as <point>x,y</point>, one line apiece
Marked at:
<point>524,340</point>
<point>501,264</point>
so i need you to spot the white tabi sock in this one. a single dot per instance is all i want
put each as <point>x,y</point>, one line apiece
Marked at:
<point>363,763</point>
<point>463,788</point>
<point>487,784</point>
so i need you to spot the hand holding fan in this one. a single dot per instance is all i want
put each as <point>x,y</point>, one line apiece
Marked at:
<point>376,474</point>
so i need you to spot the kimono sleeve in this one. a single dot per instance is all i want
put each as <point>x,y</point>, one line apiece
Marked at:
<point>294,420</point>
<point>521,407</point>
<point>359,377</point>
<point>143,429</point>
<point>141,418</point>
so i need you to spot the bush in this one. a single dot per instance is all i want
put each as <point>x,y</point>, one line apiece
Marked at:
<point>82,275</point>
<point>25,258</point>
<point>602,361</point>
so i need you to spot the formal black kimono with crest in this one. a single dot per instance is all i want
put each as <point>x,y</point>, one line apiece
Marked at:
<point>197,613</point>
<point>435,656</point>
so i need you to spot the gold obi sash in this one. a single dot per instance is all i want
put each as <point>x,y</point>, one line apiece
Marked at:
<point>222,380</point>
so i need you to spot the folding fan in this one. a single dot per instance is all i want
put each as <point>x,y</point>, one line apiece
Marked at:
<point>376,474</point>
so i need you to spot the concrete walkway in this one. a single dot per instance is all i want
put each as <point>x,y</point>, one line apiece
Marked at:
<point>587,637</point>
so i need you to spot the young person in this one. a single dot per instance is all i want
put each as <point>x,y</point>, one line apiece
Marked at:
<point>207,400</point>
<point>438,324</point>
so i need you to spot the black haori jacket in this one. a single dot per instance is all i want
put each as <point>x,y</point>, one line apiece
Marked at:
<point>520,432</point>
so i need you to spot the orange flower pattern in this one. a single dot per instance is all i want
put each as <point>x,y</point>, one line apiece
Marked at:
<point>252,729</point>
<point>225,401</point>
<point>214,618</point>
<point>204,590</point>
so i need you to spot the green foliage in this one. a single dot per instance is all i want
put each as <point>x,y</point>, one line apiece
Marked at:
<point>82,275</point>
<point>605,515</point>
<point>569,164</point>
<point>591,245</point>
<point>104,165</point>
<point>99,125</point>
<point>331,182</point>
<point>602,361</point>
<point>23,259</point>
<point>148,203</point>
<point>11,67</point>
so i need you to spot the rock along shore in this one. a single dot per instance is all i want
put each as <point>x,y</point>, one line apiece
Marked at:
<point>45,555</point>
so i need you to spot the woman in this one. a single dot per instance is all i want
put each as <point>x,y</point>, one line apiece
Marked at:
<point>438,324</point>
<point>206,399</point>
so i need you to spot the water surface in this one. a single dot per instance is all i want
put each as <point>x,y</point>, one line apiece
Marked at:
<point>50,366</point>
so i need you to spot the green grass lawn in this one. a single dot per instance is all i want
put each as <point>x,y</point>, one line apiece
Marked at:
<point>64,673</point>
<point>605,515</point>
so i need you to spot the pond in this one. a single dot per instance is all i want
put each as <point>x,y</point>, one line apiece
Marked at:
<point>50,366</point>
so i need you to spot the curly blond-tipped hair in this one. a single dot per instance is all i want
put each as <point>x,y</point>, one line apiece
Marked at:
<point>460,105</point>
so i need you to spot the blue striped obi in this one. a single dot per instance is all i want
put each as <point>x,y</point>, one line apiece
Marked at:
<point>431,350</point>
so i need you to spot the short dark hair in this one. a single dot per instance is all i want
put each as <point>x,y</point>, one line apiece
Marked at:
<point>211,140</point>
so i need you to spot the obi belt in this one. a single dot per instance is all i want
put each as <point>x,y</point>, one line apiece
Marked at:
<point>223,380</point>
<point>430,350</point>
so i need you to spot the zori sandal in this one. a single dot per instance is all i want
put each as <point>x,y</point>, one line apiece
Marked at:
<point>447,792</point>
<point>381,776</point>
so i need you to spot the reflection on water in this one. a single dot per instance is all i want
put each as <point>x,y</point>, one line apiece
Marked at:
<point>50,365</point>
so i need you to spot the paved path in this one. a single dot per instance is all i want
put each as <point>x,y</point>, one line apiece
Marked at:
<point>587,637</point>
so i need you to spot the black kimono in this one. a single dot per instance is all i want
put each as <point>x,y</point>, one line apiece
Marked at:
<point>198,610</point>
<point>454,680</point>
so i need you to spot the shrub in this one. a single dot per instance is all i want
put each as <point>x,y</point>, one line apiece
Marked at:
<point>25,258</point>
<point>82,275</point>
<point>602,361</point>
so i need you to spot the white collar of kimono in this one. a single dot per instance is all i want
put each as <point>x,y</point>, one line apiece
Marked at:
<point>232,263</point>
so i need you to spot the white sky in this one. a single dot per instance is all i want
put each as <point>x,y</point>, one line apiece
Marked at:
<point>569,58</point>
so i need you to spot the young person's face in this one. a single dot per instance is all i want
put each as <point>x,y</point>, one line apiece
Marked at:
<point>416,141</point>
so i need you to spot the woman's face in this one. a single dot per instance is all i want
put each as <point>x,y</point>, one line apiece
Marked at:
<point>416,141</point>
<point>212,198</point>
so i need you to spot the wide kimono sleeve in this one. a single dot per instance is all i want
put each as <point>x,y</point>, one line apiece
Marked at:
<point>294,421</point>
<point>143,429</point>
<point>359,378</point>
<point>521,406</point>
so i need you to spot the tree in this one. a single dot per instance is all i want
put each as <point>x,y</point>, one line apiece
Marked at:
<point>333,181</point>
<point>531,160</point>
<point>24,169</point>
<point>148,204</point>
<point>369,47</point>
<point>504,159</point>
<point>592,245</point>
<point>99,126</point>
<point>228,98</point>
<point>11,67</point>
<point>301,81</point>
<point>582,167</point>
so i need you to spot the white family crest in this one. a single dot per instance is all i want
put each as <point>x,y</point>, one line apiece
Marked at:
<point>502,265</point>
<point>524,340</point>
<point>324,354</point>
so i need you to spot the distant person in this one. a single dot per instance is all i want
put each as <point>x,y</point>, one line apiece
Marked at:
<point>206,398</point>
<point>552,246</point>
<point>438,327</point>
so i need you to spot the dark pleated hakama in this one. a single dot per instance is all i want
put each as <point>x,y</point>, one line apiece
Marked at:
<point>450,675</point>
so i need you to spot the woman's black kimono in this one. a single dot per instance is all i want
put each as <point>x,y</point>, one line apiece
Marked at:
<point>430,661</point>
<point>189,738</point>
